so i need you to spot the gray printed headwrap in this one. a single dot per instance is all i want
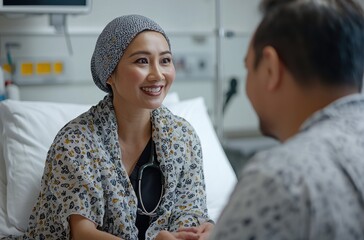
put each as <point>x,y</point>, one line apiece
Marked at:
<point>112,42</point>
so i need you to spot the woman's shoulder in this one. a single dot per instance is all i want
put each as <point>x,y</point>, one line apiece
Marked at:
<point>86,129</point>
<point>165,113</point>
<point>164,116</point>
<point>78,141</point>
<point>95,119</point>
<point>77,125</point>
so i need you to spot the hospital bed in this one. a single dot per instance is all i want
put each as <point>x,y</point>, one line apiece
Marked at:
<point>27,130</point>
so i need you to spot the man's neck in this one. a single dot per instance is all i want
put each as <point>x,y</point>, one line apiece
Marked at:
<point>305,104</point>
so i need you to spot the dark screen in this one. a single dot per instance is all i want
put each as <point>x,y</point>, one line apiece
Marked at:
<point>45,2</point>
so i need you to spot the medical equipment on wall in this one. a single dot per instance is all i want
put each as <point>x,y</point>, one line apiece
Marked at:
<point>45,6</point>
<point>11,90</point>
<point>220,34</point>
<point>31,70</point>
<point>2,85</point>
<point>58,10</point>
<point>233,90</point>
<point>8,90</point>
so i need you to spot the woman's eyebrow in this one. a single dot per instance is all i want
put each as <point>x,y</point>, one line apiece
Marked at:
<point>148,53</point>
<point>140,53</point>
<point>165,52</point>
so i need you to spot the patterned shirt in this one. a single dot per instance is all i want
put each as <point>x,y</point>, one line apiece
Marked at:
<point>84,175</point>
<point>311,187</point>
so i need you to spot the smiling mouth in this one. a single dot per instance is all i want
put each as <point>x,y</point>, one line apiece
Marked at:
<point>152,89</point>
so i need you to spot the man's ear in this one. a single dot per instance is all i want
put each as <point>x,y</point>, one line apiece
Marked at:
<point>273,67</point>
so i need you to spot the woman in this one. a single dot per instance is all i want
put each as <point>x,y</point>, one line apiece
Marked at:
<point>90,187</point>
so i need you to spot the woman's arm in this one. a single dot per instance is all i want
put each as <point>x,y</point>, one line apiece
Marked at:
<point>190,209</point>
<point>83,228</point>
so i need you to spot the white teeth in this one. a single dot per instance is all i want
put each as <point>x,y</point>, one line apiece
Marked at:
<point>152,90</point>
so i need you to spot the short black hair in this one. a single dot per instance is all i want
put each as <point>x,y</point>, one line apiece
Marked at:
<point>315,39</point>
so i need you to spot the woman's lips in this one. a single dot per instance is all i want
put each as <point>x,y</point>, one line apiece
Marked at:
<point>153,91</point>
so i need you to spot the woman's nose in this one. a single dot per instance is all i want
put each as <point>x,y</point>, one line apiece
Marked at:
<point>155,73</point>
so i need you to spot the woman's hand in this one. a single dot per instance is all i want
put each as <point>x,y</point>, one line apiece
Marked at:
<point>180,235</point>
<point>203,231</point>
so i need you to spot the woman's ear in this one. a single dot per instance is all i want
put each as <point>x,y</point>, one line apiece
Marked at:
<point>273,67</point>
<point>110,80</point>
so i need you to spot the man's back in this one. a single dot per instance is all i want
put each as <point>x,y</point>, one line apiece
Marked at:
<point>311,187</point>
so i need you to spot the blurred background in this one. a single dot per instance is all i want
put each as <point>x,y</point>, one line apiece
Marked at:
<point>47,57</point>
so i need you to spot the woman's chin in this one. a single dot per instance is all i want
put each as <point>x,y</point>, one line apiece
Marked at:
<point>155,104</point>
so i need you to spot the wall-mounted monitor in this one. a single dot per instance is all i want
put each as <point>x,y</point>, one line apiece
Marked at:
<point>45,6</point>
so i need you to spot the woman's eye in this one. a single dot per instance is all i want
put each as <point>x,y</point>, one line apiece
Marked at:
<point>166,60</point>
<point>142,61</point>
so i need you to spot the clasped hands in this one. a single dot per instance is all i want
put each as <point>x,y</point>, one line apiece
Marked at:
<point>201,232</point>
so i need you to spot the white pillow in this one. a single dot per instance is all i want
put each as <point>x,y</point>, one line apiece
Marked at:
<point>5,227</point>
<point>220,178</point>
<point>4,224</point>
<point>28,131</point>
<point>30,127</point>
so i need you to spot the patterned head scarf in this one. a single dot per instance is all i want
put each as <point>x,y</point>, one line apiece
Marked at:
<point>112,43</point>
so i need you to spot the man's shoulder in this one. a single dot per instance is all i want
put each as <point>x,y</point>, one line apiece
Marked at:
<point>296,156</point>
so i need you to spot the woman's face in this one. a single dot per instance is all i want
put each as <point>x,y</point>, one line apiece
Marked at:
<point>145,72</point>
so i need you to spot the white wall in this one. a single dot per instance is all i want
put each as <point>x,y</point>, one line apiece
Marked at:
<point>182,20</point>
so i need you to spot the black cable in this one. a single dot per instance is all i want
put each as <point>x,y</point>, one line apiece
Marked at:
<point>230,93</point>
